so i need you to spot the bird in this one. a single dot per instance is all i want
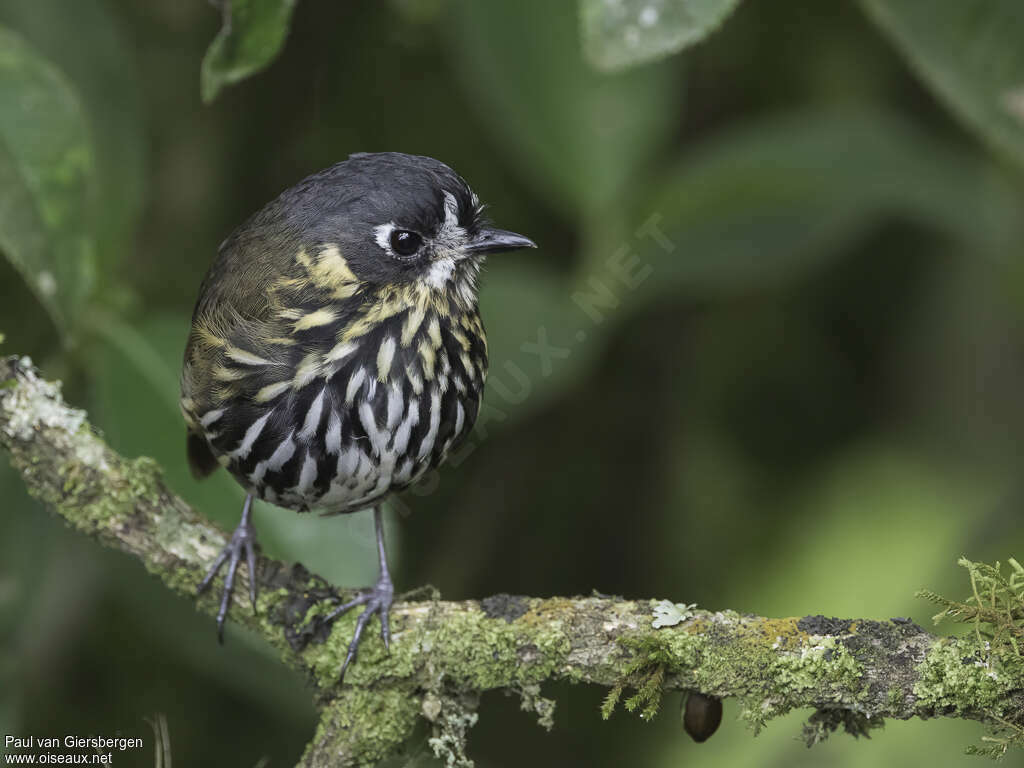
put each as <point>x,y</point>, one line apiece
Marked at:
<point>337,353</point>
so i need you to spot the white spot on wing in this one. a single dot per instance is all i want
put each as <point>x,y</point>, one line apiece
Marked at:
<point>211,416</point>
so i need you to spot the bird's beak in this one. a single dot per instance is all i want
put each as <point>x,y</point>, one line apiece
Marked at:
<point>491,240</point>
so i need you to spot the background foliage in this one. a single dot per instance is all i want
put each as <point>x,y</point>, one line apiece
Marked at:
<point>812,404</point>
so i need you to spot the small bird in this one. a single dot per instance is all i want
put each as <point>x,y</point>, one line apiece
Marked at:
<point>337,352</point>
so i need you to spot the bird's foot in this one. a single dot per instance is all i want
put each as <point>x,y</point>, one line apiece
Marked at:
<point>377,600</point>
<point>243,541</point>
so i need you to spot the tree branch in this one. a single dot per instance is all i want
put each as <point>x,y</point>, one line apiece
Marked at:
<point>853,672</point>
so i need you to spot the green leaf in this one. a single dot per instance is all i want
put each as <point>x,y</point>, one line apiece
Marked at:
<point>86,42</point>
<point>971,53</point>
<point>252,36</point>
<point>46,172</point>
<point>766,202</point>
<point>621,33</point>
<point>577,136</point>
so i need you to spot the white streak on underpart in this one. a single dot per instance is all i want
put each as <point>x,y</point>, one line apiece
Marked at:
<point>353,385</point>
<point>394,406</point>
<point>378,437</point>
<point>332,441</point>
<point>435,421</point>
<point>251,434</point>
<point>313,417</point>
<point>308,475</point>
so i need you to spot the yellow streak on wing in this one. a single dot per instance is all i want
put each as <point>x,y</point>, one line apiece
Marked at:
<point>283,341</point>
<point>386,305</point>
<point>187,405</point>
<point>224,392</point>
<point>434,331</point>
<point>315,319</point>
<point>245,357</point>
<point>331,269</point>
<point>308,369</point>
<point>385,356</point>
<point>271,391</point>
<point>412,324</point>
<point>224,373</point>
<point>427,353</point>
<point>468,364</point>
<point>345,291</point>
<point>461,338</point>
<point>208,337</point>
<point>415,379</point>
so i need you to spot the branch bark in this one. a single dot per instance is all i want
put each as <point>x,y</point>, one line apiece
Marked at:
<point>853,673</point>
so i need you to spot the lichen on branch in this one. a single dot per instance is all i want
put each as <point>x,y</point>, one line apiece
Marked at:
<point>850,673</point>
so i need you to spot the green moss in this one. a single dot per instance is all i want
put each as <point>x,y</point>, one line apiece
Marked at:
<point>138,480</point>
<point>951,676</point>
<point>471,649</point>
<point>768,664</point>
<point>364,726</point>
<point>894,699</point>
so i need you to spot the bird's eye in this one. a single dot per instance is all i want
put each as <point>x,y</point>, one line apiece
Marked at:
<point>404,242</point>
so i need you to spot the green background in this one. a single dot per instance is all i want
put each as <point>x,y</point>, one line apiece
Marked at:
<point>811,405</point>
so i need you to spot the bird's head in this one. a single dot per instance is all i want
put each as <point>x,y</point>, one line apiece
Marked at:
<point>400,219</point>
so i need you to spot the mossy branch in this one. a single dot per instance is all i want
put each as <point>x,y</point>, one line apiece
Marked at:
<point>852,673</point>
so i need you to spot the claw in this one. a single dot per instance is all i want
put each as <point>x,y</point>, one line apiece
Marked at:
<point>242,540</point>
<point>377,600</point>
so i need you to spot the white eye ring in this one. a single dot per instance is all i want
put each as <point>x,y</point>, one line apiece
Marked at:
<point>384,235</point>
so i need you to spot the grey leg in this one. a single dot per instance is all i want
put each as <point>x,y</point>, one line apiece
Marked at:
<point>377,599</point>
<point>243,540</point>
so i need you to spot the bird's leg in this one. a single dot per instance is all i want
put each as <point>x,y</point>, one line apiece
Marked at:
<point>377,599</point>
<point>243,540</point>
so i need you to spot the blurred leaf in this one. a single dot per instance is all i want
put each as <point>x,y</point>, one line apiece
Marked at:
<point>776,197</point>
<point>86,42</point>
<point>46,168</point>
<point>537,341</point>
<point>578,136</point>
<point>926,507</point>
<point>971,53</point>
<point>620,33</point>
<point>252,35</point>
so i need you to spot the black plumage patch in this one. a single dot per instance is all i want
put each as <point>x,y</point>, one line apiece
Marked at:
<point>201,460</point>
